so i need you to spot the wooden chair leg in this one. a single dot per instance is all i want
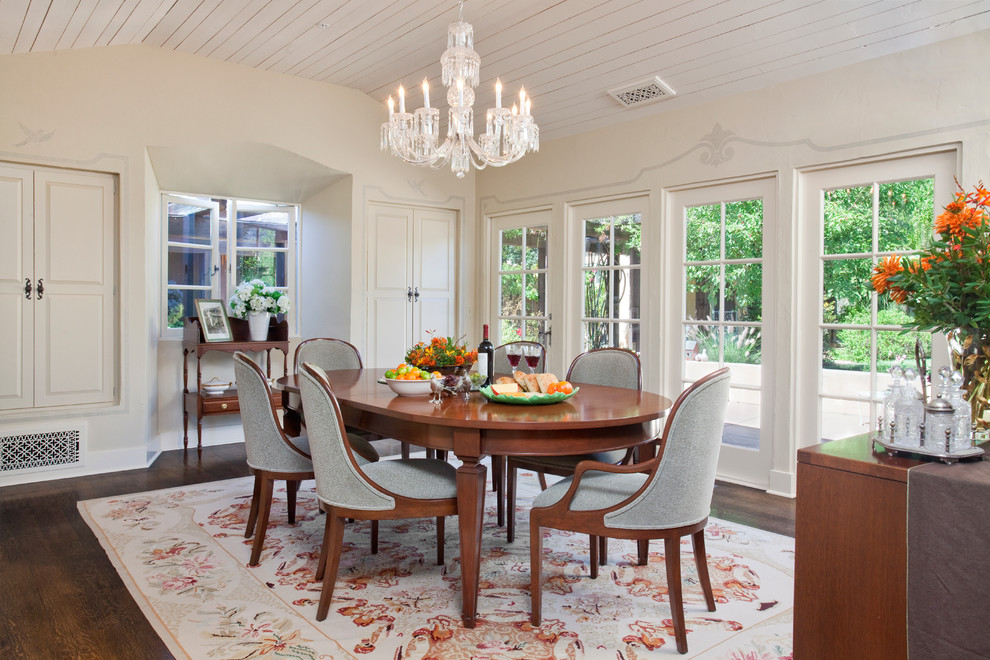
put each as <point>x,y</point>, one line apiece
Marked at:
<point>535,565</point>
<point>264,509</point>
<point>253,515</point>
<point>510,503</point>
<point>543,480</point>
<point>643,551</point>
<point>291,488</point>
<point>374,537</point>
<point>701,562</point>
<point>672,558</point>
<point>602,550</point>
<point>321,566</point>
<point>335,538</point>
<point>440,539</point>
<point>593,547</point>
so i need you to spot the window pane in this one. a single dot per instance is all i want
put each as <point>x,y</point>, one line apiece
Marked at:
<point>189,266</point>
<point>742,416</point>
<point>265,228</point>
<point>898,348</point>
<point>602,334</point>
<point>744,229</point>
<point>188,223</point>
<point>596,294</point>
<point>625,294</point>
<point>510,330</point>
<point>846,362</point>
<point>704,232</point>
<point>534,330</point>
<point>511,249</point>
<point>536,294</point>
<point>536,248</point>
<point>181,303</point>
<point>701,345</point>
<point>905,214</point>
<point>628,240</point>
<point>596,242</point>
<point>847,291</point>
<point>848,220</point>
<point>743,346</point>
<point>269,267</point>
<point>744,292</point>
<point>511,288</point>
<point>702,292</point>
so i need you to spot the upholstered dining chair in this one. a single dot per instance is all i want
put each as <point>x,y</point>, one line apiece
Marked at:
<point>615,367</point>
<point>330,354</point>
<point>500,364</point>
<point>668,496</point>
<point>271,454</point>
<point>386,490</point>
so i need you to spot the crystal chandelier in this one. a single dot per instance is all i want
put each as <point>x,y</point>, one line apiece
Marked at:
<point>414,136</point>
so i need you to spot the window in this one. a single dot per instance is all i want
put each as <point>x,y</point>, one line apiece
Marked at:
<point>611,276</point>
<point>522,311</point>
<point>202,261</point>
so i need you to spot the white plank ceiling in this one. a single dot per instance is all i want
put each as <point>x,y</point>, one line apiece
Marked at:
<point>567,53</point>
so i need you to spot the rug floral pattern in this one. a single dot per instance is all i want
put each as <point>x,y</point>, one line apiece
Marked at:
<point>183,555</point>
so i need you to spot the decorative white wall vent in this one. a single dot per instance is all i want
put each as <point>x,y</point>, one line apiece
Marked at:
<point>642,92</point>
<point>41,450</point>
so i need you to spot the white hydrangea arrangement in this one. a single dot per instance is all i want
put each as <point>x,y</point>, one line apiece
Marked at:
<point>256,296</point>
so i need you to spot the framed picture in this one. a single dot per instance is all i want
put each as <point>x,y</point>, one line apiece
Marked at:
<point>213,320</point>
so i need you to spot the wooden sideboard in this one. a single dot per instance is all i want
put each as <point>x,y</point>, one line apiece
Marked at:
<point>203,405</point>
<point>850,569</point>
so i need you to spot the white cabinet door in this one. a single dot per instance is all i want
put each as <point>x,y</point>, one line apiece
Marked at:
<point>74,301</point>
<point>411,279</point>
<point>16,270</point>
<point>60,237</point>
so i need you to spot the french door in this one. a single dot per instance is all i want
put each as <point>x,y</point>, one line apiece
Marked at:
<point>724,234</point>
<point>520,298</point>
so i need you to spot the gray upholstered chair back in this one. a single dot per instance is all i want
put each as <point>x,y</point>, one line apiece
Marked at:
<point>339,481</point>
<point>266,444</point>
<point>614,367</point>
<point>328,354</point>
<point>501,362</point>
<point>680,489</point>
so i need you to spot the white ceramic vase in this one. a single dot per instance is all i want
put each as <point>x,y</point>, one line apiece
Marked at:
<point>258,325</point>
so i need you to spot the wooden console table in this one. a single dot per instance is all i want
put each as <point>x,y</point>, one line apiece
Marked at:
<point>204,405</point>
<point>850,551</point>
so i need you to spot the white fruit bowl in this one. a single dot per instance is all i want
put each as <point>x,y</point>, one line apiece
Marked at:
<point>409,387</point>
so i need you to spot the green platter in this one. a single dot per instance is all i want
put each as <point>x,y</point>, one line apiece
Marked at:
<point>535,400</point>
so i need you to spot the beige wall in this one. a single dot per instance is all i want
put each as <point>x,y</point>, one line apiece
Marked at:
<point>917,99</point>
<point>107,107</point>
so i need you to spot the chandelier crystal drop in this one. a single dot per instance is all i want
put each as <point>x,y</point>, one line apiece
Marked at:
<point>414,136</point>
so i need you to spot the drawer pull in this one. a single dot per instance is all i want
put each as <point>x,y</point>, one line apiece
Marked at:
<point>223,406</point>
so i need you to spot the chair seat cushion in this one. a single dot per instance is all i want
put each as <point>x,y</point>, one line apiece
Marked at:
<point>418,478</point>
<point>570,461</point>
<point>598,490</point>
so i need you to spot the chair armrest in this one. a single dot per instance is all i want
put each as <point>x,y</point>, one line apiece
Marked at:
<point>597,466</point>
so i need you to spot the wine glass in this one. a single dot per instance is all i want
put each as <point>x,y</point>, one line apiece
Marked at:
<point>532,355</point>
<point>513,353</point>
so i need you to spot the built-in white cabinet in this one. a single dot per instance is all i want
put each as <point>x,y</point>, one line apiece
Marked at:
<point>58,339</point>
<point>411,279</point>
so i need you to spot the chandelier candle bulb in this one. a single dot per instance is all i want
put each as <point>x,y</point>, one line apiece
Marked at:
<point>498,93</point>
<point>402,100</point>
<point>426,94</point>
<point>391,106</point>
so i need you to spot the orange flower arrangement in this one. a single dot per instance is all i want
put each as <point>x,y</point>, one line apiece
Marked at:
<point>440,352</point>
<point>947,284</point>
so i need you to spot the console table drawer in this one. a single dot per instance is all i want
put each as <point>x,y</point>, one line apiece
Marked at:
<point>220,405</point>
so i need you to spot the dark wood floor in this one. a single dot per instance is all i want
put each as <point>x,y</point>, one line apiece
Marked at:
<point>61,598</point>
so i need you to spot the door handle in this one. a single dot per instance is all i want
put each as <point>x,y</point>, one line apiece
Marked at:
<point>41,288</point>
<point>409,294</point>
<point>27,288</point>
<point>416,295</point>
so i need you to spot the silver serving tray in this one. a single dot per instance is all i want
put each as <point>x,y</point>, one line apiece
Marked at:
<point>944,456</point>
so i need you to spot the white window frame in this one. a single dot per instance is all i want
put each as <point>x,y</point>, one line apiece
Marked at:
<point>222,287</point>
<point>940,163</point>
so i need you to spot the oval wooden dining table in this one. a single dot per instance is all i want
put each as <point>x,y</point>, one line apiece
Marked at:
<point>596,418</point>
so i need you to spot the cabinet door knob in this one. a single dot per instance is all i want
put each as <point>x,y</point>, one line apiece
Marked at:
<point>41,288</point>
<point>223,406</point>
<point>27,288</point>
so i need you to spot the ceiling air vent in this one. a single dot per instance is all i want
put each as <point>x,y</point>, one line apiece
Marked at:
<point>641,93</point>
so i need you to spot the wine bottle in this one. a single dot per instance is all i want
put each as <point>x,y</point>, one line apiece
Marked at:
<point>486,359</point>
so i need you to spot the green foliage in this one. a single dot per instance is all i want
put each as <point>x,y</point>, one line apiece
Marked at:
<point>853,346</point>
<point>743,345</point>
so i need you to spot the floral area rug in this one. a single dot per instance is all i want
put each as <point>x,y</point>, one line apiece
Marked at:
<point>182,554</point>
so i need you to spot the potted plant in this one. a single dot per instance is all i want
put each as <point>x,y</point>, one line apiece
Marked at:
<point>256,301</point>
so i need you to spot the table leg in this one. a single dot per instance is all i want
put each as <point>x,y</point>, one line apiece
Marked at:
<point>470,509</point>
